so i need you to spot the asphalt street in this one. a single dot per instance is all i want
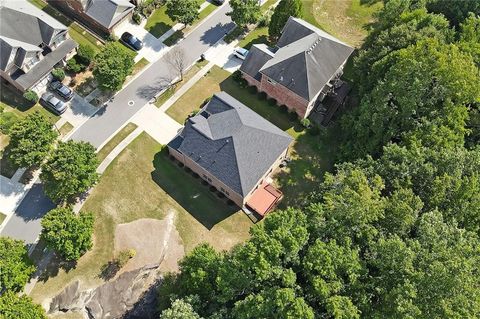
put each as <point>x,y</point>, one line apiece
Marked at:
<point>158,75</point>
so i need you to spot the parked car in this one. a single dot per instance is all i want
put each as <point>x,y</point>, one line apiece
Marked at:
<point>49,100</point>
<point>131,41</point>
<point>62,90</point>
<point>219,2</point>
<point>240,53</point>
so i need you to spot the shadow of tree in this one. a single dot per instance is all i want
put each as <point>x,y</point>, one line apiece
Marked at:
<point>159,28</point>
<point>7,167</point>
<point>261,39</point>
<point>54,266</point>
<point>197,199</point>
<point>109,270</point>
<point>150,90</point>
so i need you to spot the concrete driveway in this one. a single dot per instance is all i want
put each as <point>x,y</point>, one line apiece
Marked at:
<point>157,124</point>
<point>78,111</point>
<point>152,47</point>
<point>222,55</point>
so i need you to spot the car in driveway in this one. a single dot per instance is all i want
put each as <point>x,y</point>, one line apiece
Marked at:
<point>62,90</point>
<point>50,101</point>
<point>240,53</point>
<point>219,2</point>
<point>131,41</point>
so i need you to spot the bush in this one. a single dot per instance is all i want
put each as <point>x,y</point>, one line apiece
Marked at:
<point>85,54</point>
<point>137,18</point>
<point>31,96</point>
<point>262,96</point>
<point>74,66</point>
<point>124,256</point>
<point>272,101</point>
<point>58,74</point>
<point>253,89</point>
<point>292,115</point>
<point>284,108</point>
<point>237,76</point>
<point>206,101</point>
<point>314,130</point>
<point>305,122</point>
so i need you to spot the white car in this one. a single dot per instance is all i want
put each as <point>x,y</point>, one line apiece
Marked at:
<point>240,53</point>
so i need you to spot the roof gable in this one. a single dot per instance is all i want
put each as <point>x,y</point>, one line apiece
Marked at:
<point>108,12</point>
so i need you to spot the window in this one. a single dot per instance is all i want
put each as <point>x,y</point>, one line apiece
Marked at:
<point>271,81</point>
<point>209,179</point>
<point>204,176</point>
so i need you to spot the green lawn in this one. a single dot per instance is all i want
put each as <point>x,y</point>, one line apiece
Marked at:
<point>120,136</point>
<point>76,32</point>
<point>2,218</point>
<point>187,76</point>
<point>139,66</point>
<point>142,182</point>
<point>256,36</point>
<point>311,155</point>
<point>344,19</point>
<point>65,129</point>
<point>158,23</point>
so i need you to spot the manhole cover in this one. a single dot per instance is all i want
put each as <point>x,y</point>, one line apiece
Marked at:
<point>131,103</point>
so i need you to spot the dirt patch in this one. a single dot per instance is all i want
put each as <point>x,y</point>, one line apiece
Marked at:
<point>155,241</point>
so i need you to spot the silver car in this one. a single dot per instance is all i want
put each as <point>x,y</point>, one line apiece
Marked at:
<point>49,100</point>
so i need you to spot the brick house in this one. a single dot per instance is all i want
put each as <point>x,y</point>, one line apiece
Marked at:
<point>235,150</point>
<point>32,43</point>
<point>101,16</point>
<point>302,68</point>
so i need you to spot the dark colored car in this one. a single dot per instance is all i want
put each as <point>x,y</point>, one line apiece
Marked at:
<point>219,2</point>
<point>62,90</point>
<point>131,41</point>
<point>50,101</point>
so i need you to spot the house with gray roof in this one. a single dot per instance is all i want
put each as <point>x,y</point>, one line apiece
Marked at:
<point>235,150</point>
<point>101,16</point>
<point>301,69</point>
<point>32,43</point>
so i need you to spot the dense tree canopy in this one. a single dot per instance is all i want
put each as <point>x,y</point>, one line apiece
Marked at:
<point>31,139</point>
<point>284,10</point>
<point>183,11</point>
<point>456,11</point>
<point>15,266</point>
<point>112,65</point>
<point>180,310</point>
<point>67,233</point>
<point>424,95</point>
<point>245,12</point>
<point>13,306</point>
<point>70,171</point>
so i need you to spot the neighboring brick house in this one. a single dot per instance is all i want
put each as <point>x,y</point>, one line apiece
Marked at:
<point>235,150</point>
<point>101,16</point>
<point>32,43</point>
<point>301,70</point>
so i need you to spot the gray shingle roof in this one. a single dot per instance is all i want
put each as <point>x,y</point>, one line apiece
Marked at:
<point>232,142</point>
<point>306,59</point>
<point>257,57</point>
<point>108,12</point>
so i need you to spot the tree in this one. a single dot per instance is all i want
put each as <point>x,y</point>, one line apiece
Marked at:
<point>112,65</point>
<point>67,233</point>
<point>70,171</point>
<point>284,10</point>
<point>455,11</point>
<point>183,11</point>
<point>31,140</point>
<point>13,306</point>
<point>31,96</point>
<point>15,266</point>
<point>177,60</point>
<point>85,54</point>
<point>245,12</point>
<point>58,74</point>
<point>179,310</point>
<point>424,96</point>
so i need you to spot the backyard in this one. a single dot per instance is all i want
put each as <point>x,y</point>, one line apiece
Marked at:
<point>312,154</point>
<point>143,182</point>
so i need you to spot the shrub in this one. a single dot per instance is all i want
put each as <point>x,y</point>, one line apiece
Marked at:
<point>284,108</point>
<point>237,76</point>
<point>292,115</point>
<point>305,122</point>
<point>253,89</point>
<point>31,96</point>
<point>137,18</point>
<point>85,54</point>
<point>262,96</point>
<point>58,74</point>
<point>124,256</point>
<point>206,101</point>
<point>74,66</point>
<point>272,101</point>
<point>314,130</point>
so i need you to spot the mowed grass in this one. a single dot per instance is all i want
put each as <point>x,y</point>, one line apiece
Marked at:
<point>142,182</point>
<point>312,155</point>
<point>114,141</point>
<point>159,22</point>
<point>2,217</point>
<point>256,36</point>
<point>346,19</point>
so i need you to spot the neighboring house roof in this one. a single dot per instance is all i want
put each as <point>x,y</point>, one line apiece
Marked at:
<point>232,142</point>
<point>108,12</point>
<point>306,59</point>
<point>27,80</point>
<point>257,57</point>
<point>25,27</point>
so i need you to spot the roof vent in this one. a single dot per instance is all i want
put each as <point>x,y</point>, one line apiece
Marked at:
<point>205,114</point>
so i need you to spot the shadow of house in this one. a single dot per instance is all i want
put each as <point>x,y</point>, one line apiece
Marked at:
<point>189,193</point>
